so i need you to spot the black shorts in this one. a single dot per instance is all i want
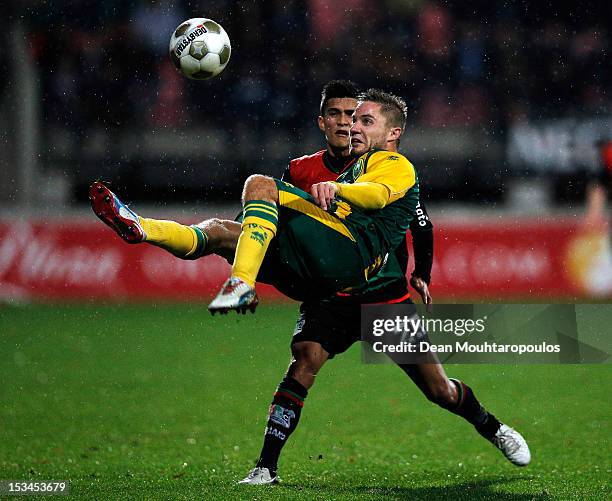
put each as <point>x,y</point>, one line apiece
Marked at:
<point>334,324</point>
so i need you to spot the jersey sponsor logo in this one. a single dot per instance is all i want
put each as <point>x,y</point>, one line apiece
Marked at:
<point>392,157</point>
<point>276,433</point>
<point>188,38</point>
<point>281,416</point>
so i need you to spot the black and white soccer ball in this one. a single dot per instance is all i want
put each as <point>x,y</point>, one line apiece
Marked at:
<point>200,48</point>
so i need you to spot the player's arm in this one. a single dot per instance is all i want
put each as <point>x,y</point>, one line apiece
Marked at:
<point>368,195</point>
<point>386,178</point>
<point>421,229</point>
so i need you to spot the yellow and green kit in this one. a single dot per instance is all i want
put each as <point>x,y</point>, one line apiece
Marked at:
<point>317,253</point>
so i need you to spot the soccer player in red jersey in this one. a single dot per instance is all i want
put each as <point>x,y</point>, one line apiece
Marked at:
<point>324,328</point>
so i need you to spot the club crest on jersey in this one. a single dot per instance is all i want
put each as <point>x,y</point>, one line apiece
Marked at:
<point>351,175</point>
<point>281,416</point>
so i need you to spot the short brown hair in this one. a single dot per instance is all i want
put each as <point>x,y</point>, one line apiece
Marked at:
<point>393,107</point>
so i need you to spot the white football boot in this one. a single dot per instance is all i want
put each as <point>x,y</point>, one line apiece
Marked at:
<point>235,295</point>
<point>513,445</point>
<point>260,476</point>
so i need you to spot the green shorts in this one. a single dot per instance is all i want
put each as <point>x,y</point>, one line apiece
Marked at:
<point>314,253</point>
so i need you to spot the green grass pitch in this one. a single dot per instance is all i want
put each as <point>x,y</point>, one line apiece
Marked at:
<point>167,402</point>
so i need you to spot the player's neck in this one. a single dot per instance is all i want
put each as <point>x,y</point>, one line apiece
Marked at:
<point>338,152</point>
<point>336,164</point>
<point>391,146</point>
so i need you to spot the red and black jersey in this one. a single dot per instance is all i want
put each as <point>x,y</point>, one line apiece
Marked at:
<point>305,171</point>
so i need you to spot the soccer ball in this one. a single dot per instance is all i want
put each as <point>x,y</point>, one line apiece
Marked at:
<point>200,48</point>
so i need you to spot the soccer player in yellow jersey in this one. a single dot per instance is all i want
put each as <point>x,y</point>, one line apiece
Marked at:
<point>328,327</point>
<point>338,236</point>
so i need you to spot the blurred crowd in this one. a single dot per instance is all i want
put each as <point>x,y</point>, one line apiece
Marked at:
<point>457,63</point>
<point>482,64</point>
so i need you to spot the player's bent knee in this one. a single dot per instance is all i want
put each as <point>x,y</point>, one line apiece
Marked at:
<point>260,187</point>
<point>209,223</point>
<point>306,364</point>
<point>257,182</point>
<point>308,358</point>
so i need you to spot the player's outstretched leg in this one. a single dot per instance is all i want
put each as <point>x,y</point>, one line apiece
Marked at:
<point>458,398</point>
<point>185,242</point>
<point>513,445</point>
<point>258,229</point>
<point>115,214</point>
<point>509,441</point>
<point>286,408</point>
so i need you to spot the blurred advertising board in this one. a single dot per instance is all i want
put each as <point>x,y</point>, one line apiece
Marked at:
<point>559,146</point>
<point>526,259</point>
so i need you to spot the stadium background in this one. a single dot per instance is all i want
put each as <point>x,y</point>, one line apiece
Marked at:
<point>508,103</point>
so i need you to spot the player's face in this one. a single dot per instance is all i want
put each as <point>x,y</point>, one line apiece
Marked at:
<point>336,122</point>
<point>370,130</point>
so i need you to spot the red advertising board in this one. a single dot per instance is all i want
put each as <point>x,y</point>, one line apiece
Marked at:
<point>80,259</point>
<point>521,258</point>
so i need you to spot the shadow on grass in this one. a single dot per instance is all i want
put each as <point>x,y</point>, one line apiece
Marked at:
<point>477,489</point>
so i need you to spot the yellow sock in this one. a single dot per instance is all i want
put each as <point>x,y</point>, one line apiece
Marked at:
<point>258,228</point>
<point>186,242</point>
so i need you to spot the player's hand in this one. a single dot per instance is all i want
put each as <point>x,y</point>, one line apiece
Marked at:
<point>419,285</point>
<point>324,193</point>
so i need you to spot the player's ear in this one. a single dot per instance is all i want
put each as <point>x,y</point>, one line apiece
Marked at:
<point>394,134</point>
<point>321,121</point>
